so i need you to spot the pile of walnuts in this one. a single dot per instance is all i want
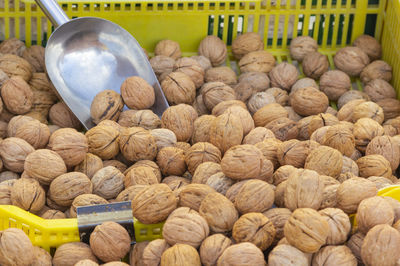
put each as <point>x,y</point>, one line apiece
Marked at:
<point>244,170</point>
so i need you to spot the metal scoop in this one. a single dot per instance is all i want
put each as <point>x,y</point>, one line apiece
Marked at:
<point>87,55</point>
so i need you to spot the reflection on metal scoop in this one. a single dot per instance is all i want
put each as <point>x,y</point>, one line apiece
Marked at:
<point>87,55</point>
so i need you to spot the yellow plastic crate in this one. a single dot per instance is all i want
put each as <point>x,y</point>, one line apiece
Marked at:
<point>334,23</point>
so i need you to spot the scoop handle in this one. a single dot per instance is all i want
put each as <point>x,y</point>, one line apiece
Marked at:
<point>53,12</point>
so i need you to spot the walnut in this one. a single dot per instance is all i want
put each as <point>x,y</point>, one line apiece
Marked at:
<point>16,122</point>
<point>334,255</point>
<point>294,152</point>
<point>88,262</point>
<point>163,137</point>
<point>13,152</point>
<point>130,192</point>
<point>241,254</point>
<point>203,61</point>
<point>214,49</point>
<point>90,165</point>
<point>369,45</point>
<point>242,162</point>
<point>8,175</point>
<point>380,182</point>
<point>70,253</point>
<point>309,101</point>
<point>302,46</point>
<point>306,230</point>
<point>391,108</point>
<point>280,194</point>
<point>15,248</point>
<point>61,116</point>
<point>142,118</point>
<point>292,115</point>
<point>379,89</point>
<point>154,167</point>
<point>283,128</point>
<point>222,74</point>
<point>41,82</point>
<point>246,43</point>
<point>178,88</point>
<point>257,61</point>
<point>351,95</point>
<point>202,126</point>
<point>339,224</point>
<point>220,108</point>
<point>284,75</point>
<point>154,203</point>
<point>374,165</point>
<point>191,68</point>
<point>35,56</point>
<point>176,182</point>
<point>38,167</point>
<point>137,93</point>
<point>315,64</point>
<point>226,131</point>
<point>17,95</point>
<point>219,182</point>
<point>243,91</point>
<point>136,253</point>
<point>349,165</point>
<point>259,100</point>
<point>5,191</point>
<point>346,112</point>
<point>35,133</point>
<point>341,138</point>
<point>193,194</point>
<point>42,102</point>
<point>219,212</point>
<point>303,189</point>
<point>27,194</point>
<point>103,141</point>
<point>199,153</point>
<point>351,60</point>
<point>303,83</point>
<point>168,48</point>
<point>179,120</point>
<point>212,248</point>
<point>321,120</point>
<point>302,125</point>
<point>257,135</point>
<point>3,77</point>
<point>283,173</point>
<point>108,182</point>
<point>285,254</point>
<point>85,200</point>
<point>385,146</point>
<point>14,65</point>
<point>278,217</point>
<point>380,246</point>
<point>66,187</point>
<point>355,243</point>
<point>193,232</point>
<point>318,135</point>
<point>171,161</point>
<point>325,160</point>
<point>369,110</point>
<point>254,196</point>
<point>352,191</point>
<point>365,129</point>
<point>162,65</point>
<point>214,93</point>
<point>334,83</point>
<point>137,144</point>
<point>180,254</point>
<point>281,96</point>
<point>140,175</point>
<point>245,118</point>
<point>12,46</point>
<point>376,70</point>
<point>254,228</point>
<point>153,251</point>
<point>42,257</point>
<point>106,104</point>
<point>204,171</point>
<point>269,113</point>
<point>373,211</point>
<point>110,241</point>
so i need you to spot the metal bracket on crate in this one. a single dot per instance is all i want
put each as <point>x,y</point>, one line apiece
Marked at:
<point>91,216</point>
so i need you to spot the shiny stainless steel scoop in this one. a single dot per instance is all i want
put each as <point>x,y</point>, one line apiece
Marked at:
<point>87,55</point>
